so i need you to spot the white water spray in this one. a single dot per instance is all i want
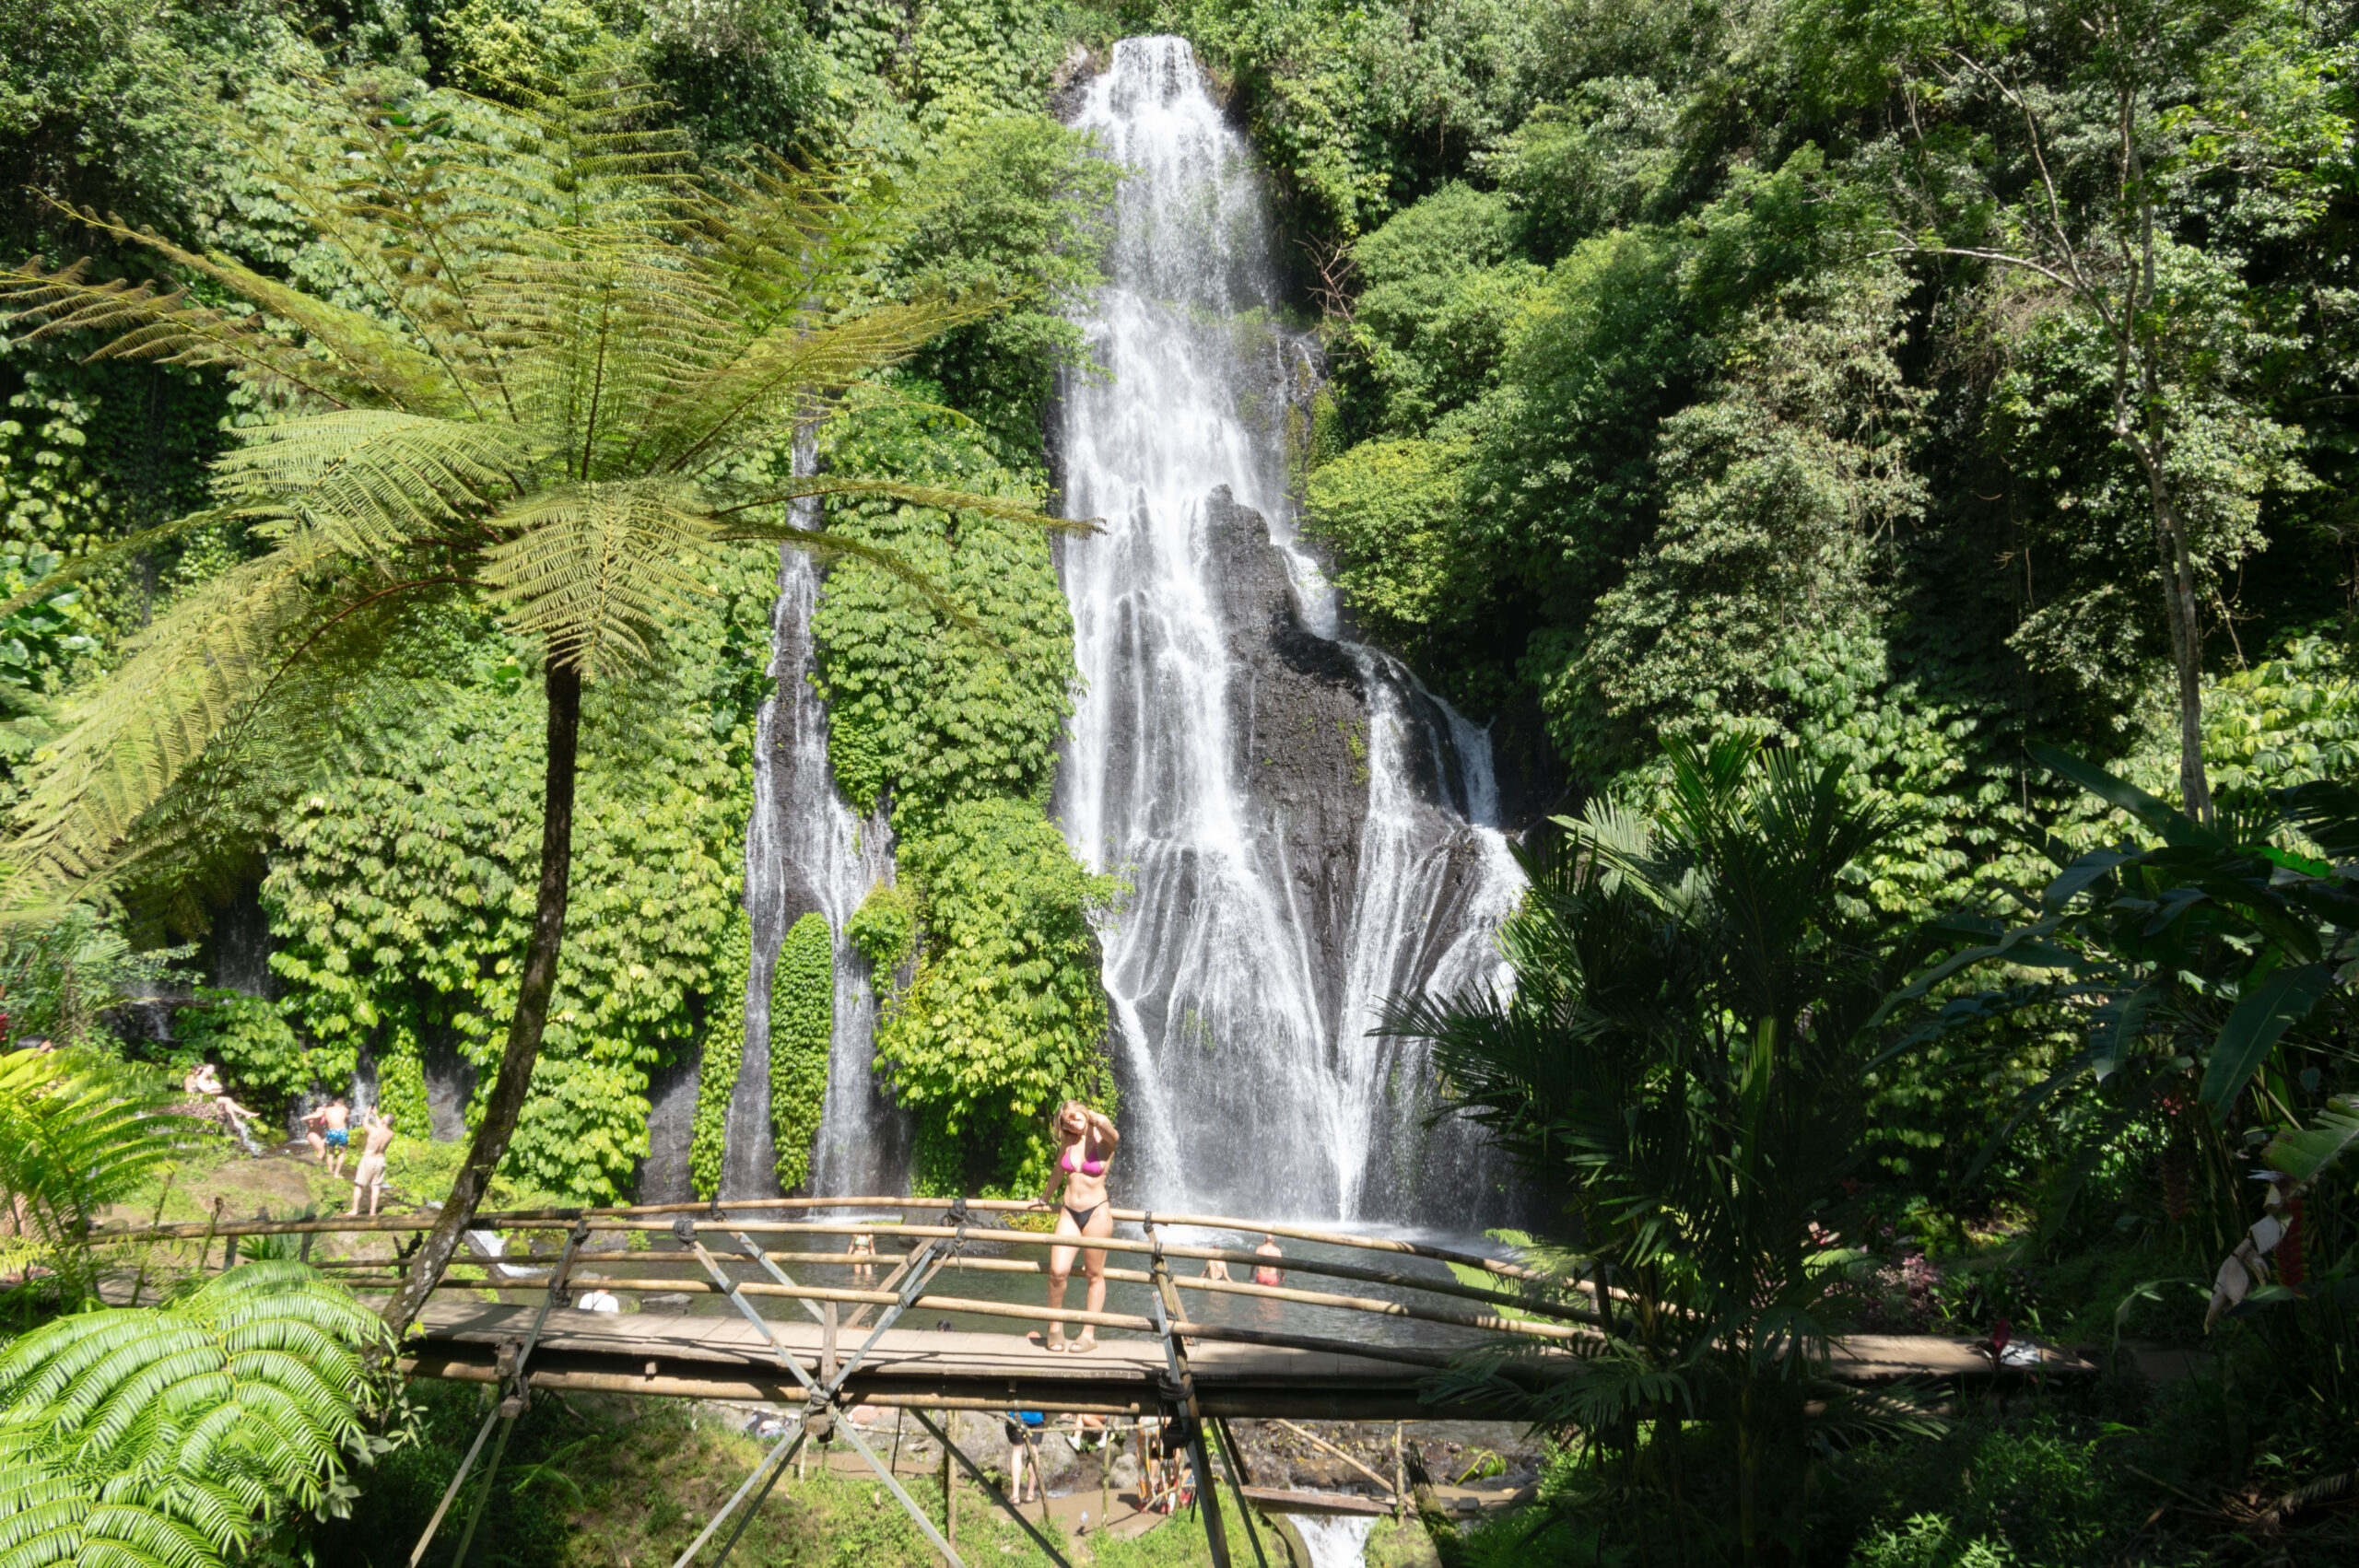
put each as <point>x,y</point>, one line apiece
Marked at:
<point>1260,945</point>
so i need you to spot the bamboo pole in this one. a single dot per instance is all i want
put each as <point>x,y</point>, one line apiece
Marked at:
<point>604,1218</point>
<point>1110,1320</point>
<point>1318,1442</point>
<point>1133,1276</point>
<point>771,1392</point>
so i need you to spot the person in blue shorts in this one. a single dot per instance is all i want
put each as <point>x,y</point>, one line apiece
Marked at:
<point>1020,1427</point>
<point>330,1134</point>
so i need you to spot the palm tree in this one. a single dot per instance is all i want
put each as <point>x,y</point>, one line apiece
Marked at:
<point>1697,1004</point>
<point>558,374</point>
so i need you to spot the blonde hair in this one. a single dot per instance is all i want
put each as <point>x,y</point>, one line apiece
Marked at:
<point>1086,1111</point>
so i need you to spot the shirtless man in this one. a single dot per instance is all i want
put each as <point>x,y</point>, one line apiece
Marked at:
<point>330,1134</point>
<point>1264,1273</point>
<point>1215,1270</point>
<point>369,1177</point>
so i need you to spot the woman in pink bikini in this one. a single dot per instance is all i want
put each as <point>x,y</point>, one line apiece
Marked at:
<point>1087,1140</point>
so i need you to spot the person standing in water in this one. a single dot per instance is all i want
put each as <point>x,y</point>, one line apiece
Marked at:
<point>1087,1140</point>
<point>1266,1273</point>
<point>330,1134</point>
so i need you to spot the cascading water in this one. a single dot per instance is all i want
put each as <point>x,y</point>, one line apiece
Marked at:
<point>1309,832</point>
<point>805,849</point>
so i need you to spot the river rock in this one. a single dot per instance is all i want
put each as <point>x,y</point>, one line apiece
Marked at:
<point>1059,1462</point>
<point>1125,1472</point>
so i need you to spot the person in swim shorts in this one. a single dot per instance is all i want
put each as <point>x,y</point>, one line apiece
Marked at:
<point>369,1177</point>
<point>1087,1140</point>
<point>1264,1273</point>
<point>330,1134</point>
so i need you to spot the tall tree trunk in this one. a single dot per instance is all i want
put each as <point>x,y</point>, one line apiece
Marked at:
<point>508,1091</point>
<point>2187,646</point>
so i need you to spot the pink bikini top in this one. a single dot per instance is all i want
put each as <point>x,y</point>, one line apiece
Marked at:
<point>1074,1165</point>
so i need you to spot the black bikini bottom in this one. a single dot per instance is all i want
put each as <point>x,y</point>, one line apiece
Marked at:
<point>1082,1217</point>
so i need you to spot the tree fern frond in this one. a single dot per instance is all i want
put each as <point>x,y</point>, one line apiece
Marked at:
<point>167,1435</point>
<point>127,548</point>
<point>366,361</point>
<point>826,545</point>
<point>591,568</point>
<point>780,238</point>
<point>791,363</point>
<point>735,525</point>
<point>69,1146</point>
<point>372,480</point>
<point>152,323</point>
<point>134,736</point>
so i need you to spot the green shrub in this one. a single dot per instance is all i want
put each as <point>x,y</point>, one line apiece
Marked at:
<point>803,1026</point>
<point>262,1060</point>
<point>885,931</point>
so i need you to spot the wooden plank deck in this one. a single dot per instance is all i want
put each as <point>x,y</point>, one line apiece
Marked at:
<point>725,1357</point>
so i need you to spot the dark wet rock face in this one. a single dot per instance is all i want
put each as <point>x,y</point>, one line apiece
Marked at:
<point>1298,729</point>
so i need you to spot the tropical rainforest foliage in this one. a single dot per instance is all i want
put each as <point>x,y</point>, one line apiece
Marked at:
<point>1954,400</point>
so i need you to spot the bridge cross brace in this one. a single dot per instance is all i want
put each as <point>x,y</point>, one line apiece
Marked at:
<point>821,1399</point>
<point>1164,1304</point>
<point>515,1395</point>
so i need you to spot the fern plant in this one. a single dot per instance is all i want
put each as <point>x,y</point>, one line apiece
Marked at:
<point>564,370</point>
<point>177,1435</point>
<point>68,1147</point>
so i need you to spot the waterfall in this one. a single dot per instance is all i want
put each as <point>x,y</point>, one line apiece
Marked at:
<point>1308,830</point>
<point>806,849</point>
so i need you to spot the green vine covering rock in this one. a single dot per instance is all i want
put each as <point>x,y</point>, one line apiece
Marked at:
<point>883,929</point>
<point>921,712</point>
<point>261,1060</point>
<point>725,1051</point>
<point>1005,1013</point>
<point>402,887</point>
<point>803,1026</point>
<point>401,1093</point>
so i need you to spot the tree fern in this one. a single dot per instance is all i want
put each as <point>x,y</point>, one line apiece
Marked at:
<point>573,367</point>
<point>173,1435</point>
<point>570,367</point>
<point>69,1147</point>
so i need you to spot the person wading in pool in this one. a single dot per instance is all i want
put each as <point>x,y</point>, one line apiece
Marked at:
<point>1086,1143</point>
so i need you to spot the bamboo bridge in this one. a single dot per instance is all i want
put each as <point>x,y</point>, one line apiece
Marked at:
<point>1188,1375</point>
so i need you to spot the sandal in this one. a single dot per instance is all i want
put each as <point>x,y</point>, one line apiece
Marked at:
<point>1084,1345</point>
<point>1055,1340</point>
